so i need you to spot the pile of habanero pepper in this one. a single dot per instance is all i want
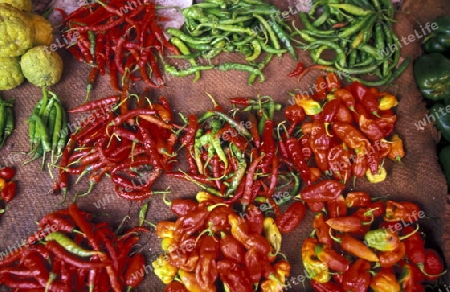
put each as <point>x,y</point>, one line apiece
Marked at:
<point>210,247</point>
<point>345,130</point>
<point>368,243</point>
<point>69,252</point>
<point>133,146</point>
<point>360,35</point>
<point>248,27</point>
<point>113,36</point>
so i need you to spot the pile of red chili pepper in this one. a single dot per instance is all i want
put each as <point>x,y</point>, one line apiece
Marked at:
<point>361,243</point>
<point>70,252</point>
<point>134,147</point>
<point>210,246</point>
<point>344,130</point>
<point>8,187</point>
<point>115,36</point>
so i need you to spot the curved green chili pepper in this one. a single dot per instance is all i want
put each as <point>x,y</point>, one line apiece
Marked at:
<point>69,245</point>
<point>256,51</point>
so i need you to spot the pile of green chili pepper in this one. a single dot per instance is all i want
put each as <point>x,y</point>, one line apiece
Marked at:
<point>360,35</point>
<point>6,120</point>
<point>70,252</point>
<point>360,243</point>
<point>249,27</point>
<point>47,127</point>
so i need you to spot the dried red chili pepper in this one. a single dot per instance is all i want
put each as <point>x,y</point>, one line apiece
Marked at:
<point>298,70</point>
<point>290,219</point>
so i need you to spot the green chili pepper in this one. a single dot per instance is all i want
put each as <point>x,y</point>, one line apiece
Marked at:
<point>260,66</point>
<point>358,26</point>
<point>284,38</point>
<point>9,125</point>
<point>256,51</point>
<point>186,72</point>
<point>240,128</point>
<point>57,125</point>
<point>310,29</point>
<point>352,9</point>
<point>270,31</point>
<point>240,67</point>
<point>70,245</point>
<point>239,173</point>
<point>186,38</point>
<point>143,214</point>
<point>42,133</point>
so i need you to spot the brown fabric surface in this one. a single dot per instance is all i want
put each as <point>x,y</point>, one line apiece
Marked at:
<point>418,178</point>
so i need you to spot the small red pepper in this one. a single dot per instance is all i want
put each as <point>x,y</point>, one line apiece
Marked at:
<point>231,248</point>
<point>132,276</point>
<point>326,287</point>
<point>357,278</point>
<point>324,191</point>
<point>9,191</point>
<point>405,211</point>
<point>332,259</point>
<point>175,286</point>
<point>333,82</point>
<point>7,173</point>
<point>433,266</point>
<point>357,199</point>
<point>298,70</point>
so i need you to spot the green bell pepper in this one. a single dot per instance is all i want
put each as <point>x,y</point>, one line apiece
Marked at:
<point>432,74</point>
<point>444,160</point>
<point>441,114</point>
<point>439,40</point>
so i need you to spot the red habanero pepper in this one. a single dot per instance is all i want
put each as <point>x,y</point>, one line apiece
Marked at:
<point>7,173</point>
<point>219,218</point>
<point>414,246</point>
<point>383,147</point>
<point>373,160</point>
<point>357,248</point>
<point>410,278</point>
<point>316,206</point>
<point>231,248</point>
<point>360,165</point>
<point>9,191</point>
<point>357,199</point>
<point>344,115</point>
<point>182,207</point>
<point>339,162</point>
<point>385,281</point>
<point>346,224</point>
<point>192,222</point>
<point>315,174</point>
<point>320,87</point>
<point>295,114</point>
<point>257,242</point>
<point>370,128</point>
<point>206,270</point>
<point>295,152</point>
<point>255,219</point>
<point>325,287</point>
<point>330,110</point>
<point>370,102</point>
<point>346,98</point>
<point>321,229</point>
<point>290,219</point>
<point>351,136</point>
<point>390,258</point>
<point>234,276</point>
<point>333,82</point>
<point>253,265</point>
<point>132,277</point>
<point>402,211</point>
<point>433,266</point>
<point>319,143</point>
<point>331,258</point>
<point>208,245</point>
<point>337,207</point>
<point>324,191</point>
<point>357,278</point>
<point>175,286</point>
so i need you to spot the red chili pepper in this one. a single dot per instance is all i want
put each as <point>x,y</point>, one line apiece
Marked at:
<point>296,155</point>
<point>360,165</point>
<point>339,161</point>
<point>357,199</point>
<point>346,224</point>
<point>323,191</point>
<point>7,173</point>
<point>234,276</point>
<point>390,258</point>
<point>346,97</point>
<point>298,70</point>
<point>320,143</point>
<point>290,219</point>
<point>241,101</point>
<point>194,221</point>
<point>351,136</point>
<point>331,258</point>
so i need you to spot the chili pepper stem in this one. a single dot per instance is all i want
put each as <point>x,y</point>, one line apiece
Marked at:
<point>408,235</point>
<point>129,288</point>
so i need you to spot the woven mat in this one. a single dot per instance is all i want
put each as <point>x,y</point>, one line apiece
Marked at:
<point>418,178</point>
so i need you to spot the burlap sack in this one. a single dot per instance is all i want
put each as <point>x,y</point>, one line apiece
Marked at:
<point>418,178</point>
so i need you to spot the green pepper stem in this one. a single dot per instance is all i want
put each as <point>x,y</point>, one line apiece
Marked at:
<point>333,237</point>
<point>408,235</point>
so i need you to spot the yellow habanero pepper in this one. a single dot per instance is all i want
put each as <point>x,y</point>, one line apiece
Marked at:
<point>309,105</point>
<point>272,234</point>
<point>165,229</point>
<point>387,102</point>
<point>316,269</point>
<point>164,270</point>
